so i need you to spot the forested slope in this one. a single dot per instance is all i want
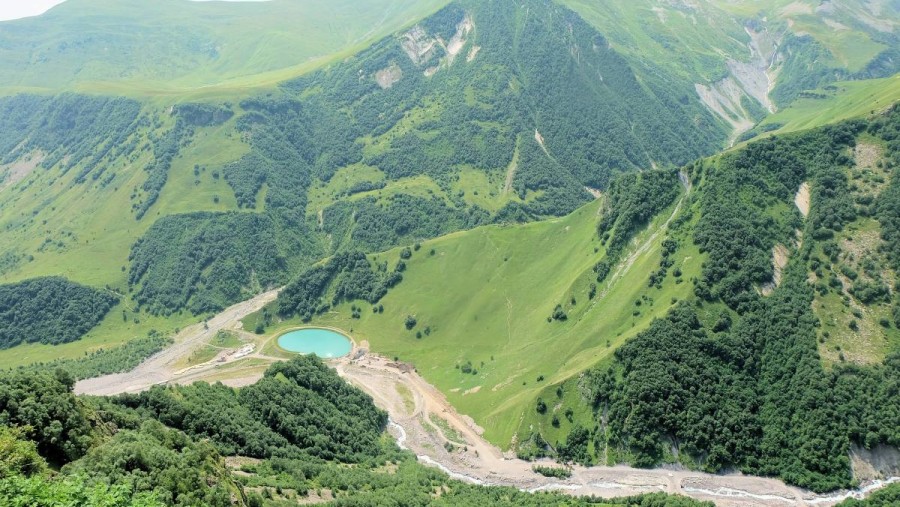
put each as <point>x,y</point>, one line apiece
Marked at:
<point>741,375</point>
<point>483,112</point>
<point>753,326</point>
<point>305,429</point>
<point>50,310</point>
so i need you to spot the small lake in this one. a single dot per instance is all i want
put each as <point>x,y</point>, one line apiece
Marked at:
<point>324,343</point>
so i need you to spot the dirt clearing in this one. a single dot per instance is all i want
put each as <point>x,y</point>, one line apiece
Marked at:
<point>802,199</point>
<point>18,170</point>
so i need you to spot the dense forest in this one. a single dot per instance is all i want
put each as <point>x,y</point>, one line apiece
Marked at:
<point>50,310</point>
<point>206,261</point>
<point>77,130</point>
<point>631,202</point>
<point>733,379</point>
<point>165,447</point>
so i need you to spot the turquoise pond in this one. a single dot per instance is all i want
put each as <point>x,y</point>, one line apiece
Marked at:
<point>324,343</point>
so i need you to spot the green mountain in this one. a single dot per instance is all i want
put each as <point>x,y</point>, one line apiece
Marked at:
<point>525,199</point>
<point>748,58</point>
<point>412,138</point>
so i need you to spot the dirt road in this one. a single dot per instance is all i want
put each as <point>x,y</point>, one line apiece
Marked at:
<point>161,368</point>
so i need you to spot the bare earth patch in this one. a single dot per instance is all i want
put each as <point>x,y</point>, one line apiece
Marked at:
<point>162,368</point>
<point>796,8</point>
<point>866,155</point>
<point>880,462</point>
<point>802,199</point>
<point>389,76</point>
<point>18,170</point>
<point>780,257</point>
<point>540,140</point>
<point>473,53</point>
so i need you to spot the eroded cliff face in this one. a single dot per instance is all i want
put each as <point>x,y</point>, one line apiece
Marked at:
<point>432,51</point>
<point>879,462</point>
<point>751,80</point>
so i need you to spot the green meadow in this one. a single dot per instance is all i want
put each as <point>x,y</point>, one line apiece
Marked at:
<point>482,301</point>
<point>840,101</point>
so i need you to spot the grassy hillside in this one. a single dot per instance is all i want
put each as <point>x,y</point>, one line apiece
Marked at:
<point>688,41</point>
<point>176,48</point>
<point>833,103</point>
<point>426,143</point>
<point>436,129</point>
<point>475,298</point>
<point>855,32</point>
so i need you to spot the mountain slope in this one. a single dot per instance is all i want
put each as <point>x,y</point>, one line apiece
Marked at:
<point>176,47</point>
<point>746,58</point>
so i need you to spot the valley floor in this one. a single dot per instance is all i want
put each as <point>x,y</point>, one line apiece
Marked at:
<point>424,422</point>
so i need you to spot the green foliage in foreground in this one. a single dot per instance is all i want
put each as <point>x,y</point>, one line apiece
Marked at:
<point>160,461</point>
<point>42,491</point>
<point>300,408</point>
<point>117,451</point>
<point>50,310</point>
<point>42,405</point>
<point>888,496</point>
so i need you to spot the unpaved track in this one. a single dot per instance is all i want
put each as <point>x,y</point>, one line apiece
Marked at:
<point>161,368</point>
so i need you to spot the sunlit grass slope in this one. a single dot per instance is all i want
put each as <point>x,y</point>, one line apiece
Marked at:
<point>840,101</point>
<point>483,299</point>
<point>84,231</point>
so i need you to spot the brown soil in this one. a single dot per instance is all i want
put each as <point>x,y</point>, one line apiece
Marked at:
<point>866,155</point>
<point>389,76</point>
<point>18,170</point>
<point>802,199</point>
